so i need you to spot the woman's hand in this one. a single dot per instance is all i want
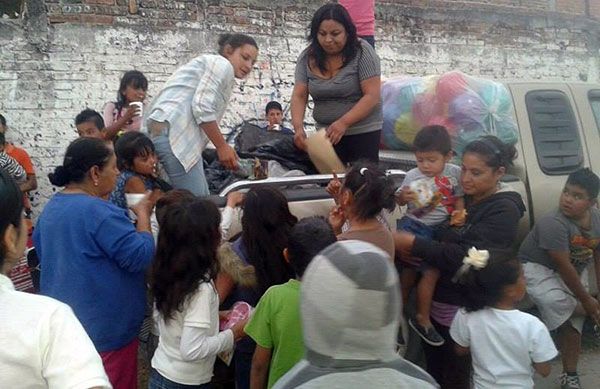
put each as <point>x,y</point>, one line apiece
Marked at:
<point>300,139</point>
<point>336,131</point>
<point>227,156</point>
<point>144,207</point>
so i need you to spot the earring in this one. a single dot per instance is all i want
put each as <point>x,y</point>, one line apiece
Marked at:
<point>95,183</point>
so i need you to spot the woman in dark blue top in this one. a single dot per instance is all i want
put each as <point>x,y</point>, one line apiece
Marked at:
<point>93,258</point>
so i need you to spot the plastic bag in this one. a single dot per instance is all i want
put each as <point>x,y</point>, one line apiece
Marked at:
<point>468,107</point>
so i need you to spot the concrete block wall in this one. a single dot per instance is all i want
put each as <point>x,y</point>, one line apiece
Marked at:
<point>66,55</point>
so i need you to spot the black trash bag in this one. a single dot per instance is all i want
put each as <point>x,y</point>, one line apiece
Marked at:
<point>284,151</point>
<point>249,136</point>
<point>218,177</point>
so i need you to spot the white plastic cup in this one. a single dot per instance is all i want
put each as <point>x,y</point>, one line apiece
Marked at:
<point>133,198</point>
<point>139,107</point>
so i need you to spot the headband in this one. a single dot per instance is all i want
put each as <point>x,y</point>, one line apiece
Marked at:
<point>490,145</point>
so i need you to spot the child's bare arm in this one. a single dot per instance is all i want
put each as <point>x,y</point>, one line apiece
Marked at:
<point>460,350</point>
<point>569,275</point>
<point>261,360</point>
<point>543,368</point>
<point>135,185</point>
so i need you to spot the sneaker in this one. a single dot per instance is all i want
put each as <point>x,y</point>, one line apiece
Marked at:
<point>597,331</point>
<point>569,381</point>
<point>429,335</point>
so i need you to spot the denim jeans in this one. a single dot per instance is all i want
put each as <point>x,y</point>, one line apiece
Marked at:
<point>415,227</point>
<point>194,180</point>
<point>157,381</point>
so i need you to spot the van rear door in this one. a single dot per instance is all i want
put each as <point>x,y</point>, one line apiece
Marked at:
<point>587,100</point>
<point>551,138</point>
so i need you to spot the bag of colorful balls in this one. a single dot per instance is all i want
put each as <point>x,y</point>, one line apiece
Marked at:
<point>468,107</point>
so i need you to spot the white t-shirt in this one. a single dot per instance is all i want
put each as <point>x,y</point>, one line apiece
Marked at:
<point>43,345</point>
<point>189,342</point>
<point>504,344</point>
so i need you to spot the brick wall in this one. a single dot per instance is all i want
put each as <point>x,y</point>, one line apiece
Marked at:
<point>65,55</point>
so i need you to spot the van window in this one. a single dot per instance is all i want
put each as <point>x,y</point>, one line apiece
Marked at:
<point>554,129</point>
<point>594,96</point>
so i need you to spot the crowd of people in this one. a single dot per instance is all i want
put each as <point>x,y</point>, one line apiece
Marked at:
<point>316,302</point>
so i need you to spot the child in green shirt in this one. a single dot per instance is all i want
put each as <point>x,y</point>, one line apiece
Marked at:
<point>275,324</point>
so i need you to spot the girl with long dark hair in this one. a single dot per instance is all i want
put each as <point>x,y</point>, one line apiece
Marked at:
<point>125,114</point>
<point>186,300</point>
<point>259,261</point>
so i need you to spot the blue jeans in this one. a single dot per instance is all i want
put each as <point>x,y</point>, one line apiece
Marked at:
<point>194,180</point>
<point>157,381</point>
<point>415,227</point>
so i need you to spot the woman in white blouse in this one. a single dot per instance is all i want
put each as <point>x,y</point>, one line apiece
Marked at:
<point>186,113</point>
<point>43,343</point>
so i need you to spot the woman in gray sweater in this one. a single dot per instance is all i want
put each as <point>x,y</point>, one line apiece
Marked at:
<point>342,74</point>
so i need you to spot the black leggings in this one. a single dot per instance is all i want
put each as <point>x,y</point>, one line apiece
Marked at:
<point>448,369</point>
<point>360,146</point>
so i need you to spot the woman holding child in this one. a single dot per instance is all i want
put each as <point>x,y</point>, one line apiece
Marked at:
<point>493,211</point>
<point>93,258</point>
<point>342,75</point>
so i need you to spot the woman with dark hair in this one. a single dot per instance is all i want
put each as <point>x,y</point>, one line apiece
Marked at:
<point>257,262</point>
<point>185,115</point>
<point>43,343</point>
<point>493,214</point>
<point>342,75</point>
<point>186,300</point>
<point>123,114</point>
<point>93,258</point>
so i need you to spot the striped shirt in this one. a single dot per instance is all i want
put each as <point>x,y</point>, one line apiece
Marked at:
<point>12,167</point>
<point>198,92</point>
<point>335,96</point>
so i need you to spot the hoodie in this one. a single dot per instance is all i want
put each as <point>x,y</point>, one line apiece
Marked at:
<point>350,309</point>
<point>491,224</point>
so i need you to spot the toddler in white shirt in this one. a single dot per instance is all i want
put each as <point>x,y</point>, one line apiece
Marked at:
<point>507,345</point>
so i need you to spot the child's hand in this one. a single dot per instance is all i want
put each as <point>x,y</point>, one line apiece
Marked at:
<point>592,308</point>
<point>458,218</point>
<point>238,329</point>
<point>407,195</point>
<point>234,199</point>
<point>131,112</point>
<point>337,219</point>
<point>224,315</point>
<point>334,187</point>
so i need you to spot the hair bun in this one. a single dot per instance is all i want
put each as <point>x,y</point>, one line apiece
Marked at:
<point>60,177</point>
<point>224,39</point>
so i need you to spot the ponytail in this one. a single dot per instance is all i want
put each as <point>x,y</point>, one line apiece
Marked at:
<point>495,153</point>
<point>484,287</point>
<point>234,41</point>
<point>372,190</point>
